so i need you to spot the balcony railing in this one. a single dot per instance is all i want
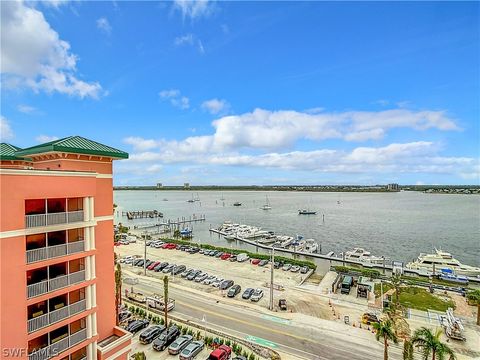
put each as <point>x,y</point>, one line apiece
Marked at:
<point>59,346</point>
<point>53,219</point>
<point>55,251</point>
<point>59,282</point>
<point>55,316</point>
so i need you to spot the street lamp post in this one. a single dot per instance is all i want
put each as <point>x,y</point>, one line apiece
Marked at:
<point>272,266</point>
<point>204,321</point>
<point>145,254</point>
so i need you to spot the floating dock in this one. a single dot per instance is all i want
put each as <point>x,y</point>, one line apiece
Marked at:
<point>142,214</point>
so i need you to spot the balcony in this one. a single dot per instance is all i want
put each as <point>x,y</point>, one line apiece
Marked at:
<point>55,316</point>
<point>50,252</point>
<point>53,218</point>
<point>59,282</point>
<point>58,347</point>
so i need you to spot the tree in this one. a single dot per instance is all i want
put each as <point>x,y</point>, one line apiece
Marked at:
<point>430,343</point>
<point>407,350</point>
<point>384,330</point>
<point>474,298</point>
<point>396,282</point>
<point>118,289</point>
<point>139,356</point>
<point>176,234</point>
<point>165,296</point>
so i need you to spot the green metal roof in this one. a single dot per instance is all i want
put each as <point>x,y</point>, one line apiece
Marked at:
<point>76,145</point>
<point>7,152</point>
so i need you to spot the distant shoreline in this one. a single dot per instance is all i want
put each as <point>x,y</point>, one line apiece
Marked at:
<point>433,189</point>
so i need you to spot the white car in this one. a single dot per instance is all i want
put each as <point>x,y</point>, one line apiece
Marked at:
<point>131,239</point>
<point>209,280</point>
<point>128,258</point>
<point>242,257</point>
<point>158,244</point>
<point>217,282</point>
<point>257,295</point>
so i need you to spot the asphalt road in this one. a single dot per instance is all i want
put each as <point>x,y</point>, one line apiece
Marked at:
<point>298,340</point>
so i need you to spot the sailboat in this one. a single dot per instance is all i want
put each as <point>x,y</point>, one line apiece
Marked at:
<point>197,198</point>
<point>191,200</point>
<point>222,198</point>
<point>266,206</point>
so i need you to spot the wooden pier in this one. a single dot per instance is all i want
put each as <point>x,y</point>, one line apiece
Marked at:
<point>142,214</point>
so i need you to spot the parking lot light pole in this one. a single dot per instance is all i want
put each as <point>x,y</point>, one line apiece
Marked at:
<point>272,266</point>
<point>145,254</point>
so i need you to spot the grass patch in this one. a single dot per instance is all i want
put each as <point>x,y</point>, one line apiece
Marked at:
<point>417,298</point>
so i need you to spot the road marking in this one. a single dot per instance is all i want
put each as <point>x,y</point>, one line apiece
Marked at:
<point>276,319</point>
<point>260,341</point>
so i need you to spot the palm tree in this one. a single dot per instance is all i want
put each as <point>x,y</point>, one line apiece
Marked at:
<point>384,330</point>
<point>396,282</point>
<point>165,298</point>
<point>474,298</point>
<point>407,350</point>
<point>430,343</point>
<point>118,288</point>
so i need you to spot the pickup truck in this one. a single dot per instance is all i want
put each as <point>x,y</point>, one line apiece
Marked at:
<point>223,352</point>
<point>135,296</point>
<point>157,302</point>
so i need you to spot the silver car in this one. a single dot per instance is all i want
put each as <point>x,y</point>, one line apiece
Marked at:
<point>179,344</point>
<point>192,350</point>
<point>257,295</point>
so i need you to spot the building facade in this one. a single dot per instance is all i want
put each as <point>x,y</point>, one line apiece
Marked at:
<point>57,286</point>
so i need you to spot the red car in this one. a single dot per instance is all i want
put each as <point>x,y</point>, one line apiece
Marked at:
<point>225,256</point>
<point>169,246</point>
<point>152,265</point>
<point>255,261</point>
<point>116,244</point>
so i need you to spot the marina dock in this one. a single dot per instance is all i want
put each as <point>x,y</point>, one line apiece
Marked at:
<point>142,214</point>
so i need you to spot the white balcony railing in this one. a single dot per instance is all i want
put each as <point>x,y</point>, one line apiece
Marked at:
<point>55,283</point>
<point>55,316</point>
<point>55,251</point>
<point>53,219</point>
<point>56,348</point>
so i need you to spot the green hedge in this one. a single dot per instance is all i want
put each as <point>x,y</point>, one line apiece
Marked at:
<point>284,259</point>
<point>365,272</point>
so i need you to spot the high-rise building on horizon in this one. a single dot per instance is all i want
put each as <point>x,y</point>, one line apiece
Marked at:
<point>57,285</point>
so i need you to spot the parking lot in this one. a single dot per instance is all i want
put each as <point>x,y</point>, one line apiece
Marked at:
<point>244,274</point>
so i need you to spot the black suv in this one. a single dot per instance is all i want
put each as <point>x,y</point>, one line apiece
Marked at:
<point>147,336</point>
<point>136,325</point>
<point>178,269</point>
<point>225,284</point>
<point>234,290</point>
<point>166,338</point>
<point>247,293</point>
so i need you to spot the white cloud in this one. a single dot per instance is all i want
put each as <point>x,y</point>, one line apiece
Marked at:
<point>183,40</point>
<point>104,25</point>
<point>46,138</point>
<point>6,132</point>
<point>55,3</point>
<point>175,98</point>
<point>141,144</point>
<point>200,47</point>
<point>34,56</point>
<point>194,8</point>
<point>26,109</point>
<point>215,106</point>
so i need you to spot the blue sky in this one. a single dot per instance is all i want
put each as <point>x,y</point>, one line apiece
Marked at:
<point>251,93</point>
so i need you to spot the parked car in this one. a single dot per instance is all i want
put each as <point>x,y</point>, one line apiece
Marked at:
<point>181,343</point>
<point>178,269</point>
<point>213,253</point>
<point>233,258</point>
<point>186,273</point>
<point>263,263</point>
<point>282,304</point>
<point>304,269</point>
<point>226,284</point>
<point>216,283</point>
<point>166,338</point>
<point>225,256</point>
<point>257,295</point>
<point>193,274</point>
<point>137,325</point>
<point>149,262</point>
<point>286,267</point>
<point>192,350</point>
<point>209,280</point>
<point>295,268</point>
<point>200,277</point>
<point>159,267</point>
<point>168,246</point>
<point>194,250</point>
<point>234,290</point>
<point>124,315</point>
<point>168,268</point>
<point>124,259</point>
<point>158,244</point>
<point>219,254</point>
<point>242,257</point>
<point>136,262</point>
<point>147,336</point>
<point>223,352</point>
<point>277,265</point>
<point>152,265</point>
<point>248,293</point>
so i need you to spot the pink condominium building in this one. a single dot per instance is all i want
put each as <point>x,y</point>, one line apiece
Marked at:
<point>57,297</point>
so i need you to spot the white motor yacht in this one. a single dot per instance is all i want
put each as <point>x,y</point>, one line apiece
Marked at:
<point>442,260</point>
<point>361,255</point>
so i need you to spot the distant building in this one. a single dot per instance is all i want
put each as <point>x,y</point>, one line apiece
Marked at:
<point>393,187</point>
<point>159,185</point>
<point>186,185</point>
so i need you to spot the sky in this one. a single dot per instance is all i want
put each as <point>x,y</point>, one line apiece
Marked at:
<point>251,93</point>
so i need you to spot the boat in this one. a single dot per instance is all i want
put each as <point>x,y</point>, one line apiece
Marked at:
<point>186,232</point>
<point>197,198</point>
<point>191,200</point>
<point>310,246</point>
<point>306,212</point>
<point>361,255</point>
<point>441,260</point>
<point>237,203</point>
<point>266,206</point>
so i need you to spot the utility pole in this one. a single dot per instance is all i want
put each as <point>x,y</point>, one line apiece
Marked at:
<point>145,254</point>
<point>272,266</point>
